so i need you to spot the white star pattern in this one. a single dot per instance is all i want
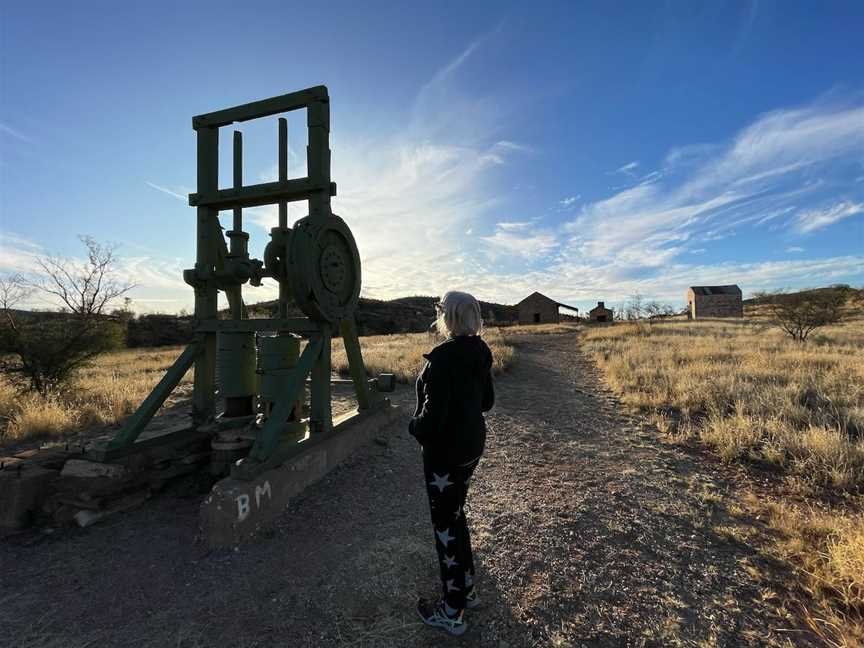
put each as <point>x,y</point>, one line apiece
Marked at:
<point>441,482</point>
<point>444,536</point>
<point>449,561</point>
<point>451,587</point>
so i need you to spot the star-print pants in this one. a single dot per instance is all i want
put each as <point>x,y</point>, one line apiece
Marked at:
<point>447,487</point>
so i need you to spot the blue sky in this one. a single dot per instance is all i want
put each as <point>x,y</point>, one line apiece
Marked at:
<point>585,150</point>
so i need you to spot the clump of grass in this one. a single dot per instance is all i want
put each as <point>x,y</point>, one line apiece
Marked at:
<point>747,391</point>
<point>827,549</point>
<point>104,392</point>
<point>752,394</point>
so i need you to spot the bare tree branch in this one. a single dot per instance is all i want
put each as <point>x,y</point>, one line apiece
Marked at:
<point>85,288</point>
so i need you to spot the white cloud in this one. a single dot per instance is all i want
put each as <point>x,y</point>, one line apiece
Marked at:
<point>812,220</point>
<point>14,133</point>
<point>514,226</point>
<point>628,168</point>
<point>569,200</point>
<point>753,181</point>
<point>517,241</point>
<point>165,190</point>
<point>794,249</point>
<point>17,254</point>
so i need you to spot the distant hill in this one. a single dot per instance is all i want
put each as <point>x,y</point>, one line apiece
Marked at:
<point>402,315</point>
<point>856,295</point>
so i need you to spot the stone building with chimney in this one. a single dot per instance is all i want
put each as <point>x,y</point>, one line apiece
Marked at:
<point>600,313</point>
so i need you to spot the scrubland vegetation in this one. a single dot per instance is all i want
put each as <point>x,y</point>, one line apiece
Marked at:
<point>752,394</point>
<point>114,384</point>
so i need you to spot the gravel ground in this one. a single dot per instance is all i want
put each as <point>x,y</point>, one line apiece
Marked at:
<point>587,532</point>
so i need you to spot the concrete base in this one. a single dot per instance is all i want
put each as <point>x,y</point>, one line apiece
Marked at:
<point>21,493</point>
<point>236,510</point>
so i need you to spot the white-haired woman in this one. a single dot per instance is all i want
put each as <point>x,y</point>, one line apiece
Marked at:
<point>453,391</point>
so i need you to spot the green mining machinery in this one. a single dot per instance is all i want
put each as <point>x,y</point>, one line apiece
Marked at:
<point>255,370</point>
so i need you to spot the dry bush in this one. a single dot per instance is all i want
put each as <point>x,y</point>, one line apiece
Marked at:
<point>747,391</point>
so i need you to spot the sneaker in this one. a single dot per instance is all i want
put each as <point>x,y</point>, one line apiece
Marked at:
<point>472,601</point>
<point>433,614</point>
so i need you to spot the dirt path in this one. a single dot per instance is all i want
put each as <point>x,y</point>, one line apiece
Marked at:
<point>588,532</point>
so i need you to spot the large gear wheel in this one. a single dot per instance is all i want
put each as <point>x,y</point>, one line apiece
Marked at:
<point>324,268</point>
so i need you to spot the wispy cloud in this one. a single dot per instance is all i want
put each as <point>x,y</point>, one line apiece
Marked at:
<point>628,168</point>
<point>812,220</point>
<point>14,133</point>
<point>794,249</point>
<point>520,241</point>
<point>165,190</point>
<point>569,200</point>
<point>709,192</point>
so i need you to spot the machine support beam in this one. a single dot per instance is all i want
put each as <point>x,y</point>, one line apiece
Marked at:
<point>355,362</point>
<point>268,440</point>
<point>320,406</point>
<point>139,420</point>
<point>206,305</point>
<point>265,193</point>
<point>263,108</point>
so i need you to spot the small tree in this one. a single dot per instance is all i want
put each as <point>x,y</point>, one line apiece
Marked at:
<point>635,307</point>
<point>47,348</point>
<point>801,313</point>
<point>656,310</point>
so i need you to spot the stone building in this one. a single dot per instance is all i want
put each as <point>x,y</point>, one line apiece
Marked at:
<point>540,309</point>
<point>600,313</point>
<point>714,301</point>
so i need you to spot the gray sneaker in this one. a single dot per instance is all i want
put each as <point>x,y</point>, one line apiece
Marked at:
<point>472,601</point>
<point>433,614</point>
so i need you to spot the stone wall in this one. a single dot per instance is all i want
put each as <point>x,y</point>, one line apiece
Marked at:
<point>718,306</point>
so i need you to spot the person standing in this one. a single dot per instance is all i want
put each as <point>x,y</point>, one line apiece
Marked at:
<point>454,390</point>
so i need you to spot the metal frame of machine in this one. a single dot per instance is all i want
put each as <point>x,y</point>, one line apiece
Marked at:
<point>317,266</point>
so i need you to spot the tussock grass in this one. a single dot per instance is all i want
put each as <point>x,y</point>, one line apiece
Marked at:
<point>113,386</point>
<point>105,392</point>
<point>827,549</point>
<point>753,394</point>
<point>747,391</point>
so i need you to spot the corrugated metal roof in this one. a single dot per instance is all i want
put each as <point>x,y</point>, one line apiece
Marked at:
<point>716,290</point>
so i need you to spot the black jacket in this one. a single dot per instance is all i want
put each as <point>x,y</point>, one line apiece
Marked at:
<point>453,390</point>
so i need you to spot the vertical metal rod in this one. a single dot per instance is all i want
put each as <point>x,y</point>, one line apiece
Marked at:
<point>204,385</point>
<point>283,168</point>
<point>283,208</point>
<point>318,156</point>
<point>238,178</point>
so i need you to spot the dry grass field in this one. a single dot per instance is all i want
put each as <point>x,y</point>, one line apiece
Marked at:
<point>752,394</point>
<point>115,384</point>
